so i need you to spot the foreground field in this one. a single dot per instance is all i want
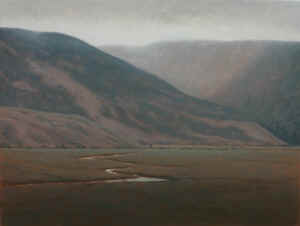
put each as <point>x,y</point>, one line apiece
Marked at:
<point>187,187</point>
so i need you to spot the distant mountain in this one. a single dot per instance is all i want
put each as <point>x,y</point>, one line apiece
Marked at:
<point>269,91</point>
<point>260,78</point>
<point>199,68</point>
<point>59,91</point>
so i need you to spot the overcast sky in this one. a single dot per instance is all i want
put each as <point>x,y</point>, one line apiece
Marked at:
<point>138,22</point>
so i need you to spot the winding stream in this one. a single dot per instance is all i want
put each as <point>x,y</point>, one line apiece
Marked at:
<point>137,178</point>
<point>133,177</point>
<point>126,177</point>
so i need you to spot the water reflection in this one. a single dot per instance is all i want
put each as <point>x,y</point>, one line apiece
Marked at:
<point>136,178</point>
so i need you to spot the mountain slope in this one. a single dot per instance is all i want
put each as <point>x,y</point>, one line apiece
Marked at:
<point>260,78</point>
<point>198,68</point>
<point>58,90</point>
<point>269,91</point>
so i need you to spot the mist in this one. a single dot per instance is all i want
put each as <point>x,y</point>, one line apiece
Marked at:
<point>133,22</point>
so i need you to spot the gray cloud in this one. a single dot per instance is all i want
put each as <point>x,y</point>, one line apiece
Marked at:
<point>144,21</point>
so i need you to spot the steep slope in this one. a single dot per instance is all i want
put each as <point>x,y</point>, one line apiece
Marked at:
<point>260,78</point>
<point>25,128</point>
<point>269,91</point>
<point>198,68</point>
<point>58,90</point>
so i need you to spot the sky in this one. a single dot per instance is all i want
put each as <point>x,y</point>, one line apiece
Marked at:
<point>140,22</point>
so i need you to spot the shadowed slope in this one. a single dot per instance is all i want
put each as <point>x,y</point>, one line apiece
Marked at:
<point>260,78</point>
<point>269,91</point>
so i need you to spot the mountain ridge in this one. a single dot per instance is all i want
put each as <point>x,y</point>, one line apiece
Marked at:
<point>54,76</point>
<point>259,78</point>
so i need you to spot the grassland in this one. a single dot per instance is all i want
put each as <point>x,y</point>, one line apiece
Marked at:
<point>227,186</point>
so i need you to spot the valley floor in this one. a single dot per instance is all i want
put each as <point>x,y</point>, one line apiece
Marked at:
<point>162,187</point>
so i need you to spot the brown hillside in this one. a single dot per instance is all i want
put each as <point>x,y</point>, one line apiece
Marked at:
<point>59,91</point>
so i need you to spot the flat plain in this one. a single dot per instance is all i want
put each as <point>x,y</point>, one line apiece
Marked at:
<point>143,187</point>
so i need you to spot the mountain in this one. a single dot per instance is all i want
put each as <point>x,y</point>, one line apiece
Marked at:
<point>58,91</point>
<point>269,91</point>
<point>260,78</point>
<point>198,68</point>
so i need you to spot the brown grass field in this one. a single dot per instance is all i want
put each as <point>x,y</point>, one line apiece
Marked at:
<point>205,186</point>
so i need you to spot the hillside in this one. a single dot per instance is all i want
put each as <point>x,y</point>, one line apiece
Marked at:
<point>260,78</point>
<point>59,91</point>
<point>269,91</point>
<point>198,68</point>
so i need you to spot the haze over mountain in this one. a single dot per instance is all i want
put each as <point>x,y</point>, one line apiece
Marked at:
<point>136,22</point>
<point>260,78</point>
<point>59,91</point>
<point>199,68</point>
